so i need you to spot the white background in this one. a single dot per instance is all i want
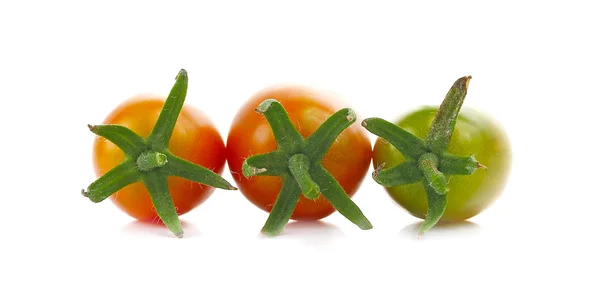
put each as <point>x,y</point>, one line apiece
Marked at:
<point>535,68</point>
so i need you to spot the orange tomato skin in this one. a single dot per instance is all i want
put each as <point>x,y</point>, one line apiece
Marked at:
<point>347,160</point>
<point>194,138</point>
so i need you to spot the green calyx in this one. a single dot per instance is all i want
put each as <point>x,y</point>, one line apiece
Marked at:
<point>148,160</point>
<point>427,161</point>
<point>298,162</point>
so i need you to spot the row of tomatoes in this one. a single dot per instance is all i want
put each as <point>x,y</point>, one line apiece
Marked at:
<point>196,139</point>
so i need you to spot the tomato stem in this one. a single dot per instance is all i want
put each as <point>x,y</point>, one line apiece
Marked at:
<point>321,140</point>
<point>185,169</point>
<point>407,172</point>
<point>436,205</point>
<point>408,144</point>
<point>426,160</point>
<point>163,129</point>
<point>299,165</point>
<point>158,188</point>
<point>286,135</point>
<point>443,124</point>
<point>124,138</point>
<point>456,165</point>
<point>283,207</point>
<point>148,160</point>
<point>274,163</point>
<point>428,164</point>
<point>298,162</point>
<point>120,176</point>
<point>335,194</point>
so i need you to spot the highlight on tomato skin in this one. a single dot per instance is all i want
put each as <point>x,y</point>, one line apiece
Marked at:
<point>195,138</point>
<point>347,160</point>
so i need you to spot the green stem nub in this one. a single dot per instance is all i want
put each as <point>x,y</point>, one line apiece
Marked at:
<point>299,166</point>
<point>428,164</point>
<point>150,160</point>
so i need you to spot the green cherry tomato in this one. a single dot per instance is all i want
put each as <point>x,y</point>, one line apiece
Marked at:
<point>474,135</point>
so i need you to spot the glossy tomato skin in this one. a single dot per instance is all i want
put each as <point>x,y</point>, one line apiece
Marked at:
<point>347,160</point>
<point>475,134</point>
<point>194,138</point>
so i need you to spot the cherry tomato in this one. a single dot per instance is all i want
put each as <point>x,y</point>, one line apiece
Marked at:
<point>194,138</point>
<point>474,135</point>
<point>250,134</point>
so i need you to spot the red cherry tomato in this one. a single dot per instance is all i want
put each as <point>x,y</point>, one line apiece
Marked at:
<point>194,138</point>
<point>250,134</point>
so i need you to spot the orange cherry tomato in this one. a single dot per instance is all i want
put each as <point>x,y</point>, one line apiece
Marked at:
<point>250,134</point>
<point>194,138</point>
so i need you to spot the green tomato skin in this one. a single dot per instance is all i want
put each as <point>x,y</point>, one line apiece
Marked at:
<point>474,135</point>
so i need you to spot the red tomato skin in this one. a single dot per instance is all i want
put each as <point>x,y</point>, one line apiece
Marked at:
<point>194,138</point>
<point>348,159</point>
